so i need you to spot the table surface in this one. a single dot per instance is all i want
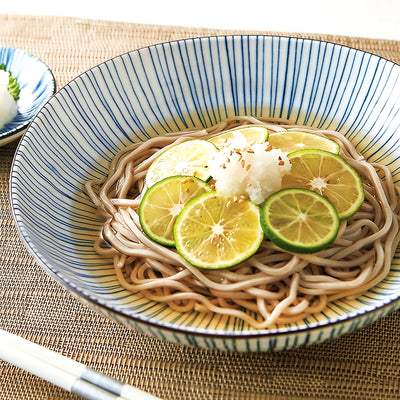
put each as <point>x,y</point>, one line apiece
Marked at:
<point>362,365</point>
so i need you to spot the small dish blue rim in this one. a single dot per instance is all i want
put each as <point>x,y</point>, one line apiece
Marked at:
<point>45,88</point>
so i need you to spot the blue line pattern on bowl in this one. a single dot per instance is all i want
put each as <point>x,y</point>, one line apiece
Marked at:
<point>170,87</point>
<point>36,83</point>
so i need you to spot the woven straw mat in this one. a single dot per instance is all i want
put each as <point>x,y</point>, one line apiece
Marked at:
<point>363,365</point>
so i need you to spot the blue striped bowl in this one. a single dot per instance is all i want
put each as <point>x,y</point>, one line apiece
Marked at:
<point>36,84</point>
<point>169,87</point>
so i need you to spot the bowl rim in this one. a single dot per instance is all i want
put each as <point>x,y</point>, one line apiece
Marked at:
<point>16,132</point>
<point>80,294</point>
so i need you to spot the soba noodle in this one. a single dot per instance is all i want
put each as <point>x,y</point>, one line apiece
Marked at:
<point>273,286</point>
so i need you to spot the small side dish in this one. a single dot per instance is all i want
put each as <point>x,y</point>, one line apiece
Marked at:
<point>26,84</point>
<point>9,94</point>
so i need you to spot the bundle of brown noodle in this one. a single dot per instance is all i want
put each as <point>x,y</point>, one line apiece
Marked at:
<point>273,286</point>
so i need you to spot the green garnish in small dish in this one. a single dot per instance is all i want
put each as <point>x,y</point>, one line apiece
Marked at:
<point>13,86</point>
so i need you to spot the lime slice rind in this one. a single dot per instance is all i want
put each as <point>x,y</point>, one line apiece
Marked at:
<point>215,232</point>
<point>252,133</point>
<point>162,203</point>
<point>329,175</point>
<point>187,158</point>
<point>290,141</point>
<point>299,220</point>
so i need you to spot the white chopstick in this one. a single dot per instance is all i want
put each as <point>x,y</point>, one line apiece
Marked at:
<point>65,372</point>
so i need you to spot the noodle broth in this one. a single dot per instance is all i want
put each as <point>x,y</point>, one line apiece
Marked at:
<point>274,287</point>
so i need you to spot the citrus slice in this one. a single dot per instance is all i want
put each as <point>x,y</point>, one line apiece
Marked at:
<point>289,141</point>
<point>299,220</point>
<point>162,203</point>
<point>188,158</point>
<point>329,175</point>
<point>252,133</point>
<point>215,232</point>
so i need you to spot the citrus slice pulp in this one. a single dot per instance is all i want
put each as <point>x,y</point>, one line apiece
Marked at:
<point>299,220</point>
<point>290,141</point>
<point>214,232</point>
<point>162,203</point>
<point>252,133</point>
<point>188,158</point>
<point>329,175</point>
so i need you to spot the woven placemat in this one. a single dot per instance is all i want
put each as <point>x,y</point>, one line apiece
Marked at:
<point>363,365</point>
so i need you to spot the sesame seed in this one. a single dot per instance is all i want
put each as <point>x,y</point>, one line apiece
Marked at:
<point>187,180</point>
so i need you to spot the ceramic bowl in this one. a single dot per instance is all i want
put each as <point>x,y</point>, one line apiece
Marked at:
<point>170,87</point>
<point>36,83</point>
